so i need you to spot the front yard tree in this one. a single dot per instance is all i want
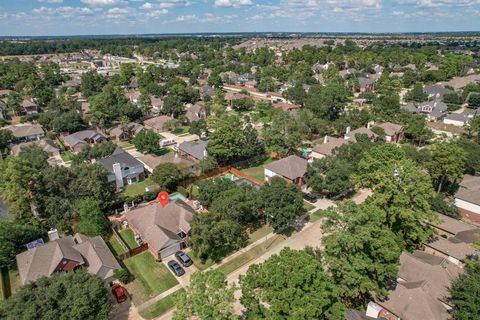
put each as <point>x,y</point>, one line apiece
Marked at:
<point>447,164</point>
<point>465,293</point>
<point>361,252</point>
<point>281,203</point>
<point>92,220</point>
<point>290,285</point>
<point>147,141</point>
<point>416,129</point>
<point>206,297</point>
<point>168,176</point>
<point>209,190</point>
<point>75,295</point>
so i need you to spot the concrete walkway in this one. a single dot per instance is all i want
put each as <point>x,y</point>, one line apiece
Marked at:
<point>159,297</point>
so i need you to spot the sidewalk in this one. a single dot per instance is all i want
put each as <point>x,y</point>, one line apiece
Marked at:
<point>159,297</point>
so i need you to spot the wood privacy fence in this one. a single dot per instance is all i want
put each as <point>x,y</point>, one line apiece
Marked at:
<point>241,174</point>
<point>185,183</point>
<point>133,252</point>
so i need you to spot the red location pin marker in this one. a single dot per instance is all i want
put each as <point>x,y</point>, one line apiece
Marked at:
<point>163,198</point>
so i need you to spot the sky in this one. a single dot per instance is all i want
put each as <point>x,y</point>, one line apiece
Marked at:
<point>92,17</point>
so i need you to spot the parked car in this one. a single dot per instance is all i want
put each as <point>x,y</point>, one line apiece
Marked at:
<point>176,268</point>
<point>183,259</point>
<point>119,293</point>
<point>167,142</point>
<point>310,197</point>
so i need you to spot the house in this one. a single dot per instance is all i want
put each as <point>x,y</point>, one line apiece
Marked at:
<point>326,148</point>
<point>196,112</point>
<point>231,97</point>
<point>157,124</point>
<point>5,92</point>
<point>378,69</point>
<point>157,104</point>
<point>287,107</point>
<point>434,110</point>
<point>467,198</point>
<point>133,96</point>
<point>352,135</point>
<point>67,254</point>
<point>457,119</point>
<point>163,228</point>
<point>421,291</point>
<point>47,145</point>
<point>76,141</point>
<point>393,132</point>
<point>207,90</point>
<point>72,83</point>
<point>436,91</point>
<point>193,150</point>
<point>122,168</point>
<point>150,162</point>
<point>366,84</point>
<point>26,132</point>
<point>85,107</point>
<point>120,134</point>
<point>29,107</point>
<point>450,227</point>
<point>292,168</point>
<point>456,249</point>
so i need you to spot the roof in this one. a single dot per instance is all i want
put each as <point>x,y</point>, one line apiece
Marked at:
<point>327,148</point>
<point>469,189</point>
<point>286,106</point>
<point>100,259</point>
<point>356,315</point>
<point>44,260</point>
<point>159,226</point>
<point>409,107</point>
<point>152,161</point>
<point>365,82</point>
<point>291,167</point>
<point>390,129</point>
<point>157,123</point>
<point>25,129</point>
<point>82,137</point>
<point>47,145</point>
<point>436,90</point>
<point>132,127</point>
<point>196,112</point>
<point>27,103</point>
<point>362,130</point>
<point>196,149</point>
<point>463,117</point>
<point>125,159</point>
<point>455,247</point>
<point>451,225</point>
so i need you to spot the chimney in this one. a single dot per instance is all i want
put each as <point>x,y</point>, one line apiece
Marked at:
<point>348,130</point>
<point>53,234</point>
<point>205,153</point>
<point>117,170</point>
<point>325,139</point>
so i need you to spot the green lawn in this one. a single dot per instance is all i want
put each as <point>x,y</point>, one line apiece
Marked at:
<point>257,172</point>
<point>161,306</point>
<point>123,144</point>
<point>198,262</point>
<point>259,233</point>
<point>308,206</point>
<point>115,246</point>
<point>128,238</point>
<point>11,281</point>
<point>317,215</point>
<point>67,156</point>
<point>151,277</point>
<point>251,254</point>
<point>181,131</point>
<point>137,188</point>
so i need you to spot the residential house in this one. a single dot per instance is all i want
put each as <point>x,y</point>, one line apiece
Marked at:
<point>456,249</point>
<point>231,97</point>
<point>467,198</point>
<point>26,132</point>
<point>72,83</point>
<point>287,107</point>
<point>150,162</point>
<point>434,110</point>
<point>378,69</point>
<point>47,145</point>
<point>133,96</point>
<point>193,150</point>
<point>157,124</point>
<point>163,228</point>
<point>85,107</point>
<point>76,141</point>
<point>67,254</point>
<point>366,84</point>
<point>393,132</point>
<point>196,112</point>
<point>326,148</point>
<point>207,90</point>
<point>457,119</point>
<point>5,92</point>
<point>122,168</point>
<point>352,135</point>
<point>292,168</point>
<point>29,107</point>
<point>157,104</point>
<point>421,291</point>
<point>120,134</point>
<point>436,91</point>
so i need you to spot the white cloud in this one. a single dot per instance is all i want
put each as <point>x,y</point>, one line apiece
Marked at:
<point>62,11</point>
<point>232,3</point>
<point>103,2</point>
<point>51,1</point>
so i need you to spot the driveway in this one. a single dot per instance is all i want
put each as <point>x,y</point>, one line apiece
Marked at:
<point>185,279</point>
<point>179,139</point>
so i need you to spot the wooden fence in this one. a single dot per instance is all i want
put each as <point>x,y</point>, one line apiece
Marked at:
<point>133,252</point>
<point>241,174</point>
<point>185,183</point>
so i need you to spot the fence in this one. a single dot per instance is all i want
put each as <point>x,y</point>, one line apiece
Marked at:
<point>207,175</point>
<point>248,163</point>
<point>133,252</point>
<point>241,174</point>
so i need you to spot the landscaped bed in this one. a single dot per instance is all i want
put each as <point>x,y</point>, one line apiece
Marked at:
<point>128,238</point>
<point>161,306</point>
<point>151,277</point>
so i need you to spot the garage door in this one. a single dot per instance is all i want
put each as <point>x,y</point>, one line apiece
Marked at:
<point>166,252</point>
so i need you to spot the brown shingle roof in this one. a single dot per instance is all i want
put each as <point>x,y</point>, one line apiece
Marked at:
<point>291,167</point>
<point>469,189</point>
<point>327,148</point>
<point>157,123</point>
<point>391,128</point>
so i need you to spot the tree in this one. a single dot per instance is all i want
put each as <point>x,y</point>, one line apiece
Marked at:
<point>207,164</point>
<point>361,252</point>
<point>327,102</point>
<point>465,293</point>
<point>296,94</point>
<point>239,204</point>
<point>206,297</point>
<point>209,190</point>
<point>281,203</point>
<point>214,237</point>
<point>284,132</point>
<point>13,237</point>
<point>330,176</point>
<point>35,156</point>
<point>92,219</point>
<point>417,94</point>
<point>472,164</point>
<point>447,164</point>
<point>416,128</point>
<point>243,104</point>
<point>6,137</point>
<point>441,205</point>
<point>168,176</point>
<point>75,295</point>
<point>147,141</point>
<point>92,83</point>
<point>97,151</point>
<point>290,285</point>
<point>69,122</point>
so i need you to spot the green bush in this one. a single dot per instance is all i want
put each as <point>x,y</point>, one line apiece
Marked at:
<point>441,205</point>
<point>123,275</point>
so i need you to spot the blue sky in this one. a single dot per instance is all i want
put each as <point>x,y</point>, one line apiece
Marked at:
<point>77,17</point>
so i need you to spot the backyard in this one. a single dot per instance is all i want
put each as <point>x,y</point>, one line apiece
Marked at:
<point>257,171</point>
<point>136,189</point>
<point>151,277</point>
<point>128,238</point>
<point>115,246</point>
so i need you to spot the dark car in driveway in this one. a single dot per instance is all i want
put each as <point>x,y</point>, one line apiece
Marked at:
<point>119,293</point>
<point>310,197</point>
<point>183,259</point>
<point>176,268</point>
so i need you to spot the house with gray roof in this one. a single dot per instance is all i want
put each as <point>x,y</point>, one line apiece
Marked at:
<point>163,228</point>
<point>29,106</point>
<point>327,147</point>
<point>366,84</point>
<point>436,91</point>
<point>434,110</point>
<point>457,119</point>
<point>47,145</point>
<point>26,132</point>
<point>120,134</point>
<point>196,112</point>
<point>122,168</point>
<point>292,169</point>
<point>467,198</point>
<point>157,124</point>
<point>193,150</point>
<point>65,255</point>
<point>76,141</point>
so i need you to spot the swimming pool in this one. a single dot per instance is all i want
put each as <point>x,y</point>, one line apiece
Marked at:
<point>177,196</point>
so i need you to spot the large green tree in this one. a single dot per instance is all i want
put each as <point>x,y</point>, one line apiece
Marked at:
<point>13,237</point>
<point>147,141</point>
<point>168,176</point>
<point>465,293</point>
<point>92,220</point>
<point>447,164</point>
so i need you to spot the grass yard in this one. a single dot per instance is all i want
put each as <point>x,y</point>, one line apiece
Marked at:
<point>257,172</point>
<point>259,233</point>
<point>251,254</point>
<point>123,144</point>
<point>128,238</point>
<point>67,156</point>
<point>181,131</point>
<point>136,189</point>
<point>161,306</point>
<point>308,206</point>
<point>11,280</point>
<point>115,246</point>
<point>317,215</point>
<point>198,262</point>
<point>151,277</point>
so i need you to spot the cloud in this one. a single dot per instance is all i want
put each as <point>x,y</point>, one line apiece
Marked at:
<point>232,3</point>
<point>62,11</point>
<point>103,2</point>
<point>165,4</point>
<point>51,1</point>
